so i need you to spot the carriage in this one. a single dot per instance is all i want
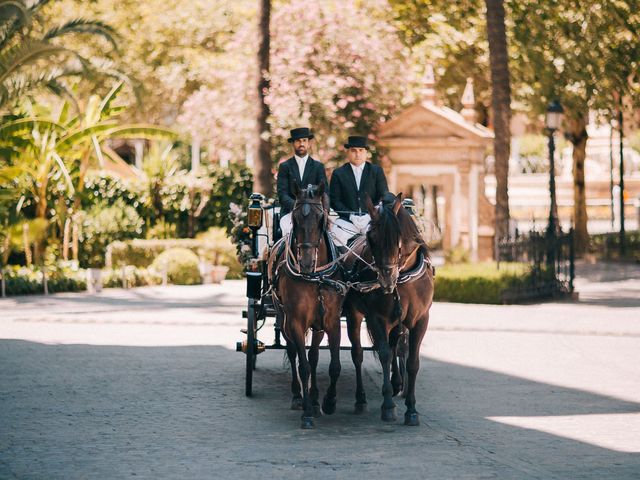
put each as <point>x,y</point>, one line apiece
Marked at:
<point>263,220</point>
<point>397,346</point>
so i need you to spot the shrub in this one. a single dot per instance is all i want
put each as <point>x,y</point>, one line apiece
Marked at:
<point>457,255</point>
<point>181,265</point>
<point>606,246</point>
<point>212,246</point>
<point>478,283</point>
<point>25,280</point>
<point>134,277</point>
<point>103,225</point>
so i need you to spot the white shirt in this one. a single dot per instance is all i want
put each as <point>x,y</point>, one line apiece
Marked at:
<point>357,172</point>
<point>302,162</point>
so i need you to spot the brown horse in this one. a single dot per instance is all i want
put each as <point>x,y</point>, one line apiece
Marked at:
<point>392,282</point>
<point>308,294</point>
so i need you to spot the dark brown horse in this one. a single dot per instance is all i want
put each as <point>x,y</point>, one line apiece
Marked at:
<point>308,294</point>
<point>393,289</point>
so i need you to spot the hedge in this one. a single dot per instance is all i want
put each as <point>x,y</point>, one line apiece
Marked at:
<point>141,253</point>
<point>25,280</point>
<point>478,283</point>
<point>606,246</point>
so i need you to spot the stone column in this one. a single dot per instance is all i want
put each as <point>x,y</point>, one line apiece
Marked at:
<point>473,211</point>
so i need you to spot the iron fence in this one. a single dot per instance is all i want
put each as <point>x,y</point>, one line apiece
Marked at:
<point>551,260</point>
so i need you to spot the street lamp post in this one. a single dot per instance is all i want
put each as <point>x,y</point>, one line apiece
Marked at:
<point>552,123</point>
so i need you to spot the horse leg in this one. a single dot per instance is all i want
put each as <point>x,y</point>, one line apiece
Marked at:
<point>314,354</point>
<point>416,334</point>
<point>380,335</point>
<point>305,371</point>
<point>296,399</point>
<point>396,376</point>
<point>329,401</point>
<point>354,322</point>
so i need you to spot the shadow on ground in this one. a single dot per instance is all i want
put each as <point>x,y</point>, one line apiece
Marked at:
<point>78,411</point>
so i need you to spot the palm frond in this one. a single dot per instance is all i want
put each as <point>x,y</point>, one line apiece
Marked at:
<point>83,25</point>
<point>37,5</point>
<point>61,90</point>
<point>85,134</point>
<point>65,173</point>
<point>13,15</point>
<point>26,53</point>
<point>23,126</point>
<point>105,105</point>
<point>148,132</point>
<point>22,82</point>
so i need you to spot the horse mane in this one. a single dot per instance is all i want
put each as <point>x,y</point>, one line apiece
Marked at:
<point>407,226</point>
<point>387,222</point>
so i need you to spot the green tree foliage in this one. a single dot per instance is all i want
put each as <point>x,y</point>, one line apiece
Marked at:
<point>34,54</point>
<point>581,53</point>
<point>105,224</point>
<point>173,47</point>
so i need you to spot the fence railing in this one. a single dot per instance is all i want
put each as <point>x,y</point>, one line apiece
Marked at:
<point>551,260</point>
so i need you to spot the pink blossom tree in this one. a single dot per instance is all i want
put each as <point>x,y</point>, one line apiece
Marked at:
<point>337,67</point>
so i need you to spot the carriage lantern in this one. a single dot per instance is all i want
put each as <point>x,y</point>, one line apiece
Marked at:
<point>254,216</point>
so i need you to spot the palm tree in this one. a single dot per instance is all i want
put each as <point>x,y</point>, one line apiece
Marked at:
<point>29,61</point>
<point>501,105</point>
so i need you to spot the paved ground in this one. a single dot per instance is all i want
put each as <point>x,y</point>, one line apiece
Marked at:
<point>145,383</point>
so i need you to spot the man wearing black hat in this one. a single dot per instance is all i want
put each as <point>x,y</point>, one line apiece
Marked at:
<point>300,169</point>
<point>349,185</point>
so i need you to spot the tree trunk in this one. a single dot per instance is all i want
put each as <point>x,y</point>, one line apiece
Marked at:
<point>501,105</point>
<point>577,130</point>
<point>262,181</point>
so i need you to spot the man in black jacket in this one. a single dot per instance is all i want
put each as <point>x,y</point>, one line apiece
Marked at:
<point>349,184</point>
<point>300,169</point>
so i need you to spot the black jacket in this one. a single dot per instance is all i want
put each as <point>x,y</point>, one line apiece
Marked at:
<point>345,197</point>
<point>289,173</point>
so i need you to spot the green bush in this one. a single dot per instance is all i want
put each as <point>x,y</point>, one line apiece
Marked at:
<point>101,226</point>
<point>212,246</point>
<point>24,280</point>
<point>134,277</point>
<point>478,283</point>
<point>181,265</point>
<point>606,246</point>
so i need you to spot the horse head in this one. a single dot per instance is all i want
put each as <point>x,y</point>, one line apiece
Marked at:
<point>309,217</point>
<point>384,239</point>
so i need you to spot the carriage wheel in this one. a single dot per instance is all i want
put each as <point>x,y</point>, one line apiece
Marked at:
<point>251,350</point>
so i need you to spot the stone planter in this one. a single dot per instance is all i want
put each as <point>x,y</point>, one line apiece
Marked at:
<point>94,280</point>
<point>213,273</point>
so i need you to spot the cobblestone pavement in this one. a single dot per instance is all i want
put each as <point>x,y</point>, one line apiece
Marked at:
<point>145,383</point>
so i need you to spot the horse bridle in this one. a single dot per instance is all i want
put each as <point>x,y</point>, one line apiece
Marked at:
<point>306,210</point>
<point>388,266</point>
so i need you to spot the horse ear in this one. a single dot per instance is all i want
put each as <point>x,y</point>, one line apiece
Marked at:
<point>397,204</point>
<point>296,189</point>
<point>373,213</point>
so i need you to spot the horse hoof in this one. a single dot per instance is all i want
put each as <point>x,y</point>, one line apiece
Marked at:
<point>307,423</point>
<point>296,403</point>
<point>361,408</point>
<point>389,414</point>
<point>329,406</point>
<point>412,419</point>
<point>316,411</point>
